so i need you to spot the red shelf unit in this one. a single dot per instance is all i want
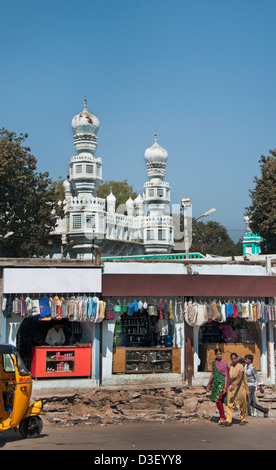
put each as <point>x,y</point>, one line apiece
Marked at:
<point>61,361</point>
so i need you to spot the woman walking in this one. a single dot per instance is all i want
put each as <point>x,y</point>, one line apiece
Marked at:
<point>238,393</point>
<point>219,381</point>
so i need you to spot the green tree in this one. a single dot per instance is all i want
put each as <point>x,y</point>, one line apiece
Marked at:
<point>212,238</point>
<point>262,212</point>
<point>28,200</point>
<point>207,238</point>
<point>121,190</point>
<point>59,189</point>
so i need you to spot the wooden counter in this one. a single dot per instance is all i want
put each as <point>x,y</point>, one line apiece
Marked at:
<point>207,353</point>
<point>146,360</point>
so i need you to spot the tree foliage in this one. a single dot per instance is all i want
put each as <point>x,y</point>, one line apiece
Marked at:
<point>28,201</point>
<point>212,238</point>
<point>59,189</point>
<point>121,190</point>
<point>262,212</point>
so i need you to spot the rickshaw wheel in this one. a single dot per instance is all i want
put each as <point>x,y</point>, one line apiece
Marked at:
<point>31,426</point>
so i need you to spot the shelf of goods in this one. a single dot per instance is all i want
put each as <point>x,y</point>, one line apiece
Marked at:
<point>146,360</point>
<point>135,329</point>
<point>61,361</point>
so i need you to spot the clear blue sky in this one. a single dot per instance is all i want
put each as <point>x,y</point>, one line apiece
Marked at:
<point>202,73</point>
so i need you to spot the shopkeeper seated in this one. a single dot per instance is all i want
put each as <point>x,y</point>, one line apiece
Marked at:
<point>55,336</point>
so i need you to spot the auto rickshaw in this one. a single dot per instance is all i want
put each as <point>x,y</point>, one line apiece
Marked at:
<point>15,395</point>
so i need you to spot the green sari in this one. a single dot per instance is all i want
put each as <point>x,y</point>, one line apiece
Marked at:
<point>217,385</point>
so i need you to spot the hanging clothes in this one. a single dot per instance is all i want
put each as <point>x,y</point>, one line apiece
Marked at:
<point>214,310</point>
<point>160,311</point>
<point>23,307</point>
<point>201,314</point>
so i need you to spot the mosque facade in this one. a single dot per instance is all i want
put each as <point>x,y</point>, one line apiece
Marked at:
<point>143,226</point>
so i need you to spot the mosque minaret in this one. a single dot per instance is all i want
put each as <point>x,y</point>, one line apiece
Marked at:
<point>144,227</point>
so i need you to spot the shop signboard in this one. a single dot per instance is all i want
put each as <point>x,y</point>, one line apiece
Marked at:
<point>51,280</point>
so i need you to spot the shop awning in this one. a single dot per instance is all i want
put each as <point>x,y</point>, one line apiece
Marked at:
<point>170,285</point>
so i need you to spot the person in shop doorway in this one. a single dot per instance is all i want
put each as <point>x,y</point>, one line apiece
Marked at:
<point>219,382</point>
<point>227,333</point>
<point>55,335</point>
<point>252,380</point>
<point>238,393</point>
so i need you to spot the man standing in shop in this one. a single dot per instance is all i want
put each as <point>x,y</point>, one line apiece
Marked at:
<point>55,336</point>
<point>252,379</point>
<point>228,333</point>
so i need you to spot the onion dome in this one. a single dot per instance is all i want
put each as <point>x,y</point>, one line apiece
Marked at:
<point>139,205</point>
<point>85,122</point>
<point>66,186</point>
<point>138,201</point>
<point>130,202</point>
<point>130,206</point>
<point>111,197</point>
<point>111,202</point>
<point>155,153</point>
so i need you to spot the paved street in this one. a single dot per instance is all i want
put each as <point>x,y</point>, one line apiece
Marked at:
<point>259,434</point>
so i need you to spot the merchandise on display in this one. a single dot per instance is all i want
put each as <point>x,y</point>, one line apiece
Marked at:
<point>75,308</point>
<point>91,308</point>
<point>197,313</point>
<point>145,323</point>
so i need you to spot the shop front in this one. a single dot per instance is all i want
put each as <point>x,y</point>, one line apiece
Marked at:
<point>134,328</point>
<point>172,324</point>
<point>52,315</point>
<point>146,336</point>
<point>233,326</point>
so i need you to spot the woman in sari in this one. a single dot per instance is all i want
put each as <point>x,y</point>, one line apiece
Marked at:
<point>238,393</point>
<point>219,381</point>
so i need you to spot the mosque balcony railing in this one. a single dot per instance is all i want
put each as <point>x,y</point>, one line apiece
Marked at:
<point>89,203</point>
<point>139,222</point>
<point>119,219</point>
<point>157,221</point>
<point>88,158</point>
<point>160,184</point>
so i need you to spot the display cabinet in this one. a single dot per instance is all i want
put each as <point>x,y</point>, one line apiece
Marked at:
<point>149,360</point>
<point>61,361</point>
<point>146,360</point>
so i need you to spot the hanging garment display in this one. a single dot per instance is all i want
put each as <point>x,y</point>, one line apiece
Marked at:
<point>91,308</point>
<point>190,312</point>
<point>160,311</point>
<point>44,307</point>
<point>214,310</point>
<point>197,313</point>
<point>202,314</point>
<point>79,308</point>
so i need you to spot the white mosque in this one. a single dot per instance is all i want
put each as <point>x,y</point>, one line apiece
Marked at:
<point>143,227</point>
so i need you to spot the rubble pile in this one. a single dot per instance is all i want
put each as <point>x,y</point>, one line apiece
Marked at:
<point>104,406</point>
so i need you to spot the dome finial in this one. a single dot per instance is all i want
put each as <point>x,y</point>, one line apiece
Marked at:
<point>155,136</point>
<point>85,103</point>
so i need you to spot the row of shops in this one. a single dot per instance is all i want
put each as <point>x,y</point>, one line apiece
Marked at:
<point>80,326</point>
